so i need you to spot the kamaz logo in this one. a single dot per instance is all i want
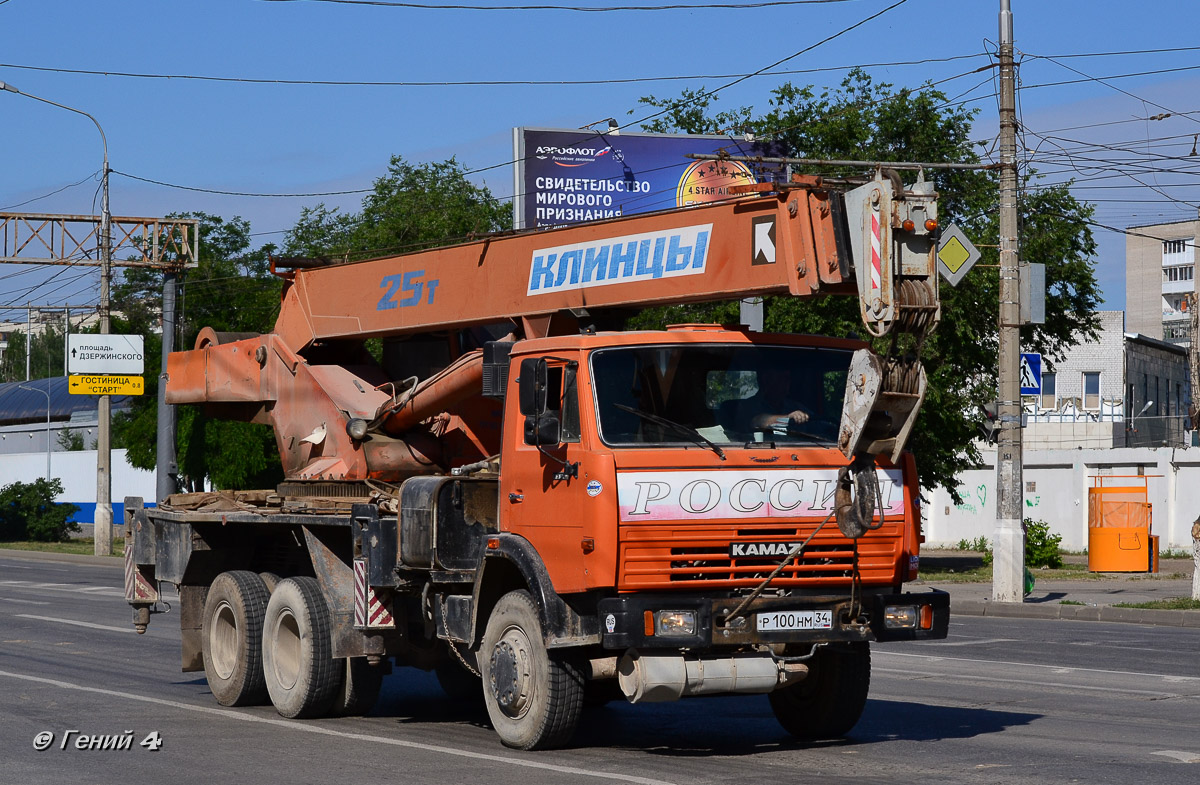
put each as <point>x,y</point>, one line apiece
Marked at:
<point>637,257</point>
<point>740,549</point>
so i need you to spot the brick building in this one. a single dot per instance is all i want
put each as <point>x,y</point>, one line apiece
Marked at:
<point>1123,389</point>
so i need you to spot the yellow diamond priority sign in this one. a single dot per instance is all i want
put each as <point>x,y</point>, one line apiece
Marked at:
<point>956,255</point>
<point>107,385</point>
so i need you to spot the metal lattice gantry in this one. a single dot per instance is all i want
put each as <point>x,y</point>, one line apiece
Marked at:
<point>37,238</point>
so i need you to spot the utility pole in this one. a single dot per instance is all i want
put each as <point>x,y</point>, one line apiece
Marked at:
<point>28,342</point>
<point>1008,546</point>
<point>167,468</point>
<point>104,514</point>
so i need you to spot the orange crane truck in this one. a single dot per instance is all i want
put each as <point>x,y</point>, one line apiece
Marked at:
<point>548,511</point>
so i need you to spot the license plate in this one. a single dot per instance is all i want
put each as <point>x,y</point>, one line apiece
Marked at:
<point>795,620</point>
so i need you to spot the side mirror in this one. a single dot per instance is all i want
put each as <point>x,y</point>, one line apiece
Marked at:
<point>533,386</point>
<point>542,430</point>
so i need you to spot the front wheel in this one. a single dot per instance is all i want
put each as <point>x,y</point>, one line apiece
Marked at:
<point>534,696</point>
<point>828,703</point>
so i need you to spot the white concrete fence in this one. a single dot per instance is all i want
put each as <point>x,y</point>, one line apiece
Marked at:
<point>1056,491</point>
<point>77,470</point>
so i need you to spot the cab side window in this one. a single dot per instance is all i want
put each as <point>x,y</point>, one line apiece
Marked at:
<point>563,395</point>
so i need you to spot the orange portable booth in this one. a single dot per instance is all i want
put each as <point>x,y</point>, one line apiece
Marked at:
<point>1119,521</point>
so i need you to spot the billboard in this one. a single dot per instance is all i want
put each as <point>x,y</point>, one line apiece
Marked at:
<point>570,176</point>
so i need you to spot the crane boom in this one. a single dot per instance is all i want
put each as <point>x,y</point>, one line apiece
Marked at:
<point>310,377</point>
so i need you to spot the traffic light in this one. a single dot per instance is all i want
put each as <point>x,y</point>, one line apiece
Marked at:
<point>989,426</point>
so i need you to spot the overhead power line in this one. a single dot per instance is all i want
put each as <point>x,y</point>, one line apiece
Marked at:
<point>576,8</point>
<point>475,82</point>
<point>237,193</point>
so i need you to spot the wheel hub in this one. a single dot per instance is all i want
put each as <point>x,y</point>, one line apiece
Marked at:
<point>511,681</point>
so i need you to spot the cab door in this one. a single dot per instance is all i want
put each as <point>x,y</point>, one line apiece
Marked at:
<point>547,484</point>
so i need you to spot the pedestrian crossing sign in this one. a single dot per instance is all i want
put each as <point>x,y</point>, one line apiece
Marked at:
<point>1031,373</point>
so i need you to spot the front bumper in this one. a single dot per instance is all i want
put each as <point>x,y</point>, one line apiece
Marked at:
<point>626,621</point>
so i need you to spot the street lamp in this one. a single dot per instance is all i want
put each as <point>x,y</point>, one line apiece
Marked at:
<point>103,521</point>
<point>46,393</point>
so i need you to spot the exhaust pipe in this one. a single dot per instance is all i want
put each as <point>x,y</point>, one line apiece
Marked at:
<point>656,678</point>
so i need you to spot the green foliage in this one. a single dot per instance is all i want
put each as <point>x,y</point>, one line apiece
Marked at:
<point>864,120</point>
<point>70,441</point>
<point>980,544</point>
<point>411,208</point>
<point>230,290</point>
<point>46,358</point>
<point>1041,547</point>
<point>28,512</point>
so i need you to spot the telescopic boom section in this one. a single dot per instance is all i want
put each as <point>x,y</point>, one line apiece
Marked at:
<point>310,377</point>
<point>772,245</point>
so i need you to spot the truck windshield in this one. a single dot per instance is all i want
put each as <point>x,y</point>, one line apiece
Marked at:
<point>728,395</point>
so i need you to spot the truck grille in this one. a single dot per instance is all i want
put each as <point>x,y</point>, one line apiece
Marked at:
<point>680,556</point>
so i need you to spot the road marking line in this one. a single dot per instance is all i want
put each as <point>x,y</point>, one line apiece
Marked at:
<point>1182,757</point>
<point>313,728</point>
<point>27,602</point>
<point>1031,682</point>
<point>76,623</point>
<point>1052,668</point>
<point>979,642</point>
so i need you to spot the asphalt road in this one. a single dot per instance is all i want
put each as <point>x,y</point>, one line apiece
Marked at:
<point>1001,701</point>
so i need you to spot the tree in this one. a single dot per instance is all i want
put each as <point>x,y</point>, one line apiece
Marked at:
<point>231,290</point>
<point>862,120</point>
<point>411,208</point>
<point>28,512</point>
<point>69,440</point>
<point>46,357</point>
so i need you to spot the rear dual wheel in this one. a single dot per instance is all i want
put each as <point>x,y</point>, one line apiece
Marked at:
<point>301,675</point>
<point>231,638</point>
<point>264,637</point>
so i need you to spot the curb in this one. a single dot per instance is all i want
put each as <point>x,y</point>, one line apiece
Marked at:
<point>67,558</point>
<point>1023,610</point>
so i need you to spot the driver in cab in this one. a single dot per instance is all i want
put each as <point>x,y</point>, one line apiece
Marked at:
<point>772,409</point>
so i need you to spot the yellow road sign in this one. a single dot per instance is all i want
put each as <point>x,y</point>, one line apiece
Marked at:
<point>107,385</point>
<point>956,254</point>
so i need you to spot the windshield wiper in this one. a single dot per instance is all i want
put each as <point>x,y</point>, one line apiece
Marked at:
<point>693,435</point>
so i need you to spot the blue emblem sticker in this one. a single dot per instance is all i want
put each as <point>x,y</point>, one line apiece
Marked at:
<point>594,487</point>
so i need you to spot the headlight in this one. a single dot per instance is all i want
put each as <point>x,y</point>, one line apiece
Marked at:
<point>900,617</point>
<point>675,623</point>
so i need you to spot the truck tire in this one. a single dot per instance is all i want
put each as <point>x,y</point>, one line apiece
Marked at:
<point>534,696</point>
<point>270,579</point>
<point>302,676</point>
<point>231,633</point>
<point>359,687</point>
<point>828,703</point>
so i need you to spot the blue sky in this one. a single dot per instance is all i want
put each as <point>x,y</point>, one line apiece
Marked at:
<point>287,138</point>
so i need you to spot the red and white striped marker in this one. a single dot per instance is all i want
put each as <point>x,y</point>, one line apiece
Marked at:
<point>137,588</point>
<point>369,609</point>
<point>876,262</point>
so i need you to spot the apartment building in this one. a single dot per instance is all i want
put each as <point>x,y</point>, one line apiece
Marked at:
<point>1160,271</point>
